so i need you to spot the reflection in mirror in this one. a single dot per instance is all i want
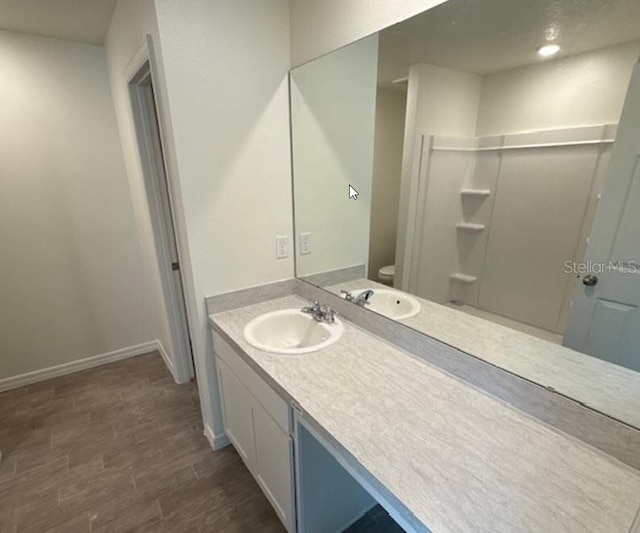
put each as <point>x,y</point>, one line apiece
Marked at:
<point>495,211</point>
<point>332,120</point>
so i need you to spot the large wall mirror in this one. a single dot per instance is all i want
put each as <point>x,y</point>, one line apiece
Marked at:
<point>474,173</point>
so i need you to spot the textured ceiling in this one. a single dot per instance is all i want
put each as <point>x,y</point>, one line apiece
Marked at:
<point>75,20</point>
<point>485,36</point>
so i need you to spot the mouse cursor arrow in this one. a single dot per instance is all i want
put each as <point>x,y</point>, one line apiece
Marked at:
<point>353,194</point>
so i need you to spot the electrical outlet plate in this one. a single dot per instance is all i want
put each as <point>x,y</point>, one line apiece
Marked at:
<point>305,243</point>
<point>282,246</point>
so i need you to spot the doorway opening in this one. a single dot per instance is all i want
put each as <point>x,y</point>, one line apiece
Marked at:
<point>158,192</point>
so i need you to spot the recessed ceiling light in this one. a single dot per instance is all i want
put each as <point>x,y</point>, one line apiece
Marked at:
<point>548,50</point>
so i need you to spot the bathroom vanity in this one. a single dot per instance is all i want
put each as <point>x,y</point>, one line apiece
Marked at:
<point>493,383</point>
<point>328,434</point>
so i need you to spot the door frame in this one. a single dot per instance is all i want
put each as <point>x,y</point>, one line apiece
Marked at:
<point>180,320</point>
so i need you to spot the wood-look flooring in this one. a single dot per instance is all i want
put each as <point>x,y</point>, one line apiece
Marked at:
<point>119,448</point>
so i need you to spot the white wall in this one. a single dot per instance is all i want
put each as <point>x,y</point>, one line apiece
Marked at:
<point>446,100</point>
<point>333,120</point>
<point>387,167</point>
<point>583,90</point>
<point>222,95</point>
<point>321,26</point>
<point>230,125</point>
<point>71,283</point>
<point>225,65</point>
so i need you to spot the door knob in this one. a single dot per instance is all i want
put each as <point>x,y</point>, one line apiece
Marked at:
<point>590,280</point>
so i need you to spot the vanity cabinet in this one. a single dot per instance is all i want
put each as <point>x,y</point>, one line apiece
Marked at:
<point>257,422</point>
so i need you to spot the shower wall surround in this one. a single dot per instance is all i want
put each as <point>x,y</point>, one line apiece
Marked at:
<point>495,217</point>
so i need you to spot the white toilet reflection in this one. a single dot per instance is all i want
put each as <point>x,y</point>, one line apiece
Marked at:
<point>386,274</point>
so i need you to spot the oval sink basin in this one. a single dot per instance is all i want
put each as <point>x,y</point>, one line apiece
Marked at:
<point>390,303</point>
<point>291,331</point>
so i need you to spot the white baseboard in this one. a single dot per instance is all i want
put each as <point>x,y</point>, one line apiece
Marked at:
<point>167,361</point>
<point>83,364</point>
<point>217,442</point>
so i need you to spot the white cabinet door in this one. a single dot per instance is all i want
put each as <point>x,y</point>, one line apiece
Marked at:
<point>238,414</point>
<point>274,452</point>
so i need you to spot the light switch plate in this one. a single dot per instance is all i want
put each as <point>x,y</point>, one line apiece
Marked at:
<point>282,246</point>
<point>305,243</point>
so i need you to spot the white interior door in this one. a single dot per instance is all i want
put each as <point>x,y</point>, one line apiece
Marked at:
<point>162,218</point>
<point>605,319</point>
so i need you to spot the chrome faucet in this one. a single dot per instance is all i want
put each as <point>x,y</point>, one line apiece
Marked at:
<point>363,298</point>
<point>320,312</point>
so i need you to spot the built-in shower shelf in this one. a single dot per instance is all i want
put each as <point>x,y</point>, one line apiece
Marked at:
<point>475,192</point>
<point>470,226</point>
<point>463,278</point>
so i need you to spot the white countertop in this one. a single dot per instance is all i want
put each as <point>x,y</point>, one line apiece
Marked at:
<point>458,459</point>
<point>610,389</point>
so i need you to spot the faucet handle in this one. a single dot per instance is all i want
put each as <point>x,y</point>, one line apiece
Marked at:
<point>329,314</point>
<point>311,309</point>
<point>347,295</point>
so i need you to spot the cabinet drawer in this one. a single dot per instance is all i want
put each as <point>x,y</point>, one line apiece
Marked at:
<point>275,406</point>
